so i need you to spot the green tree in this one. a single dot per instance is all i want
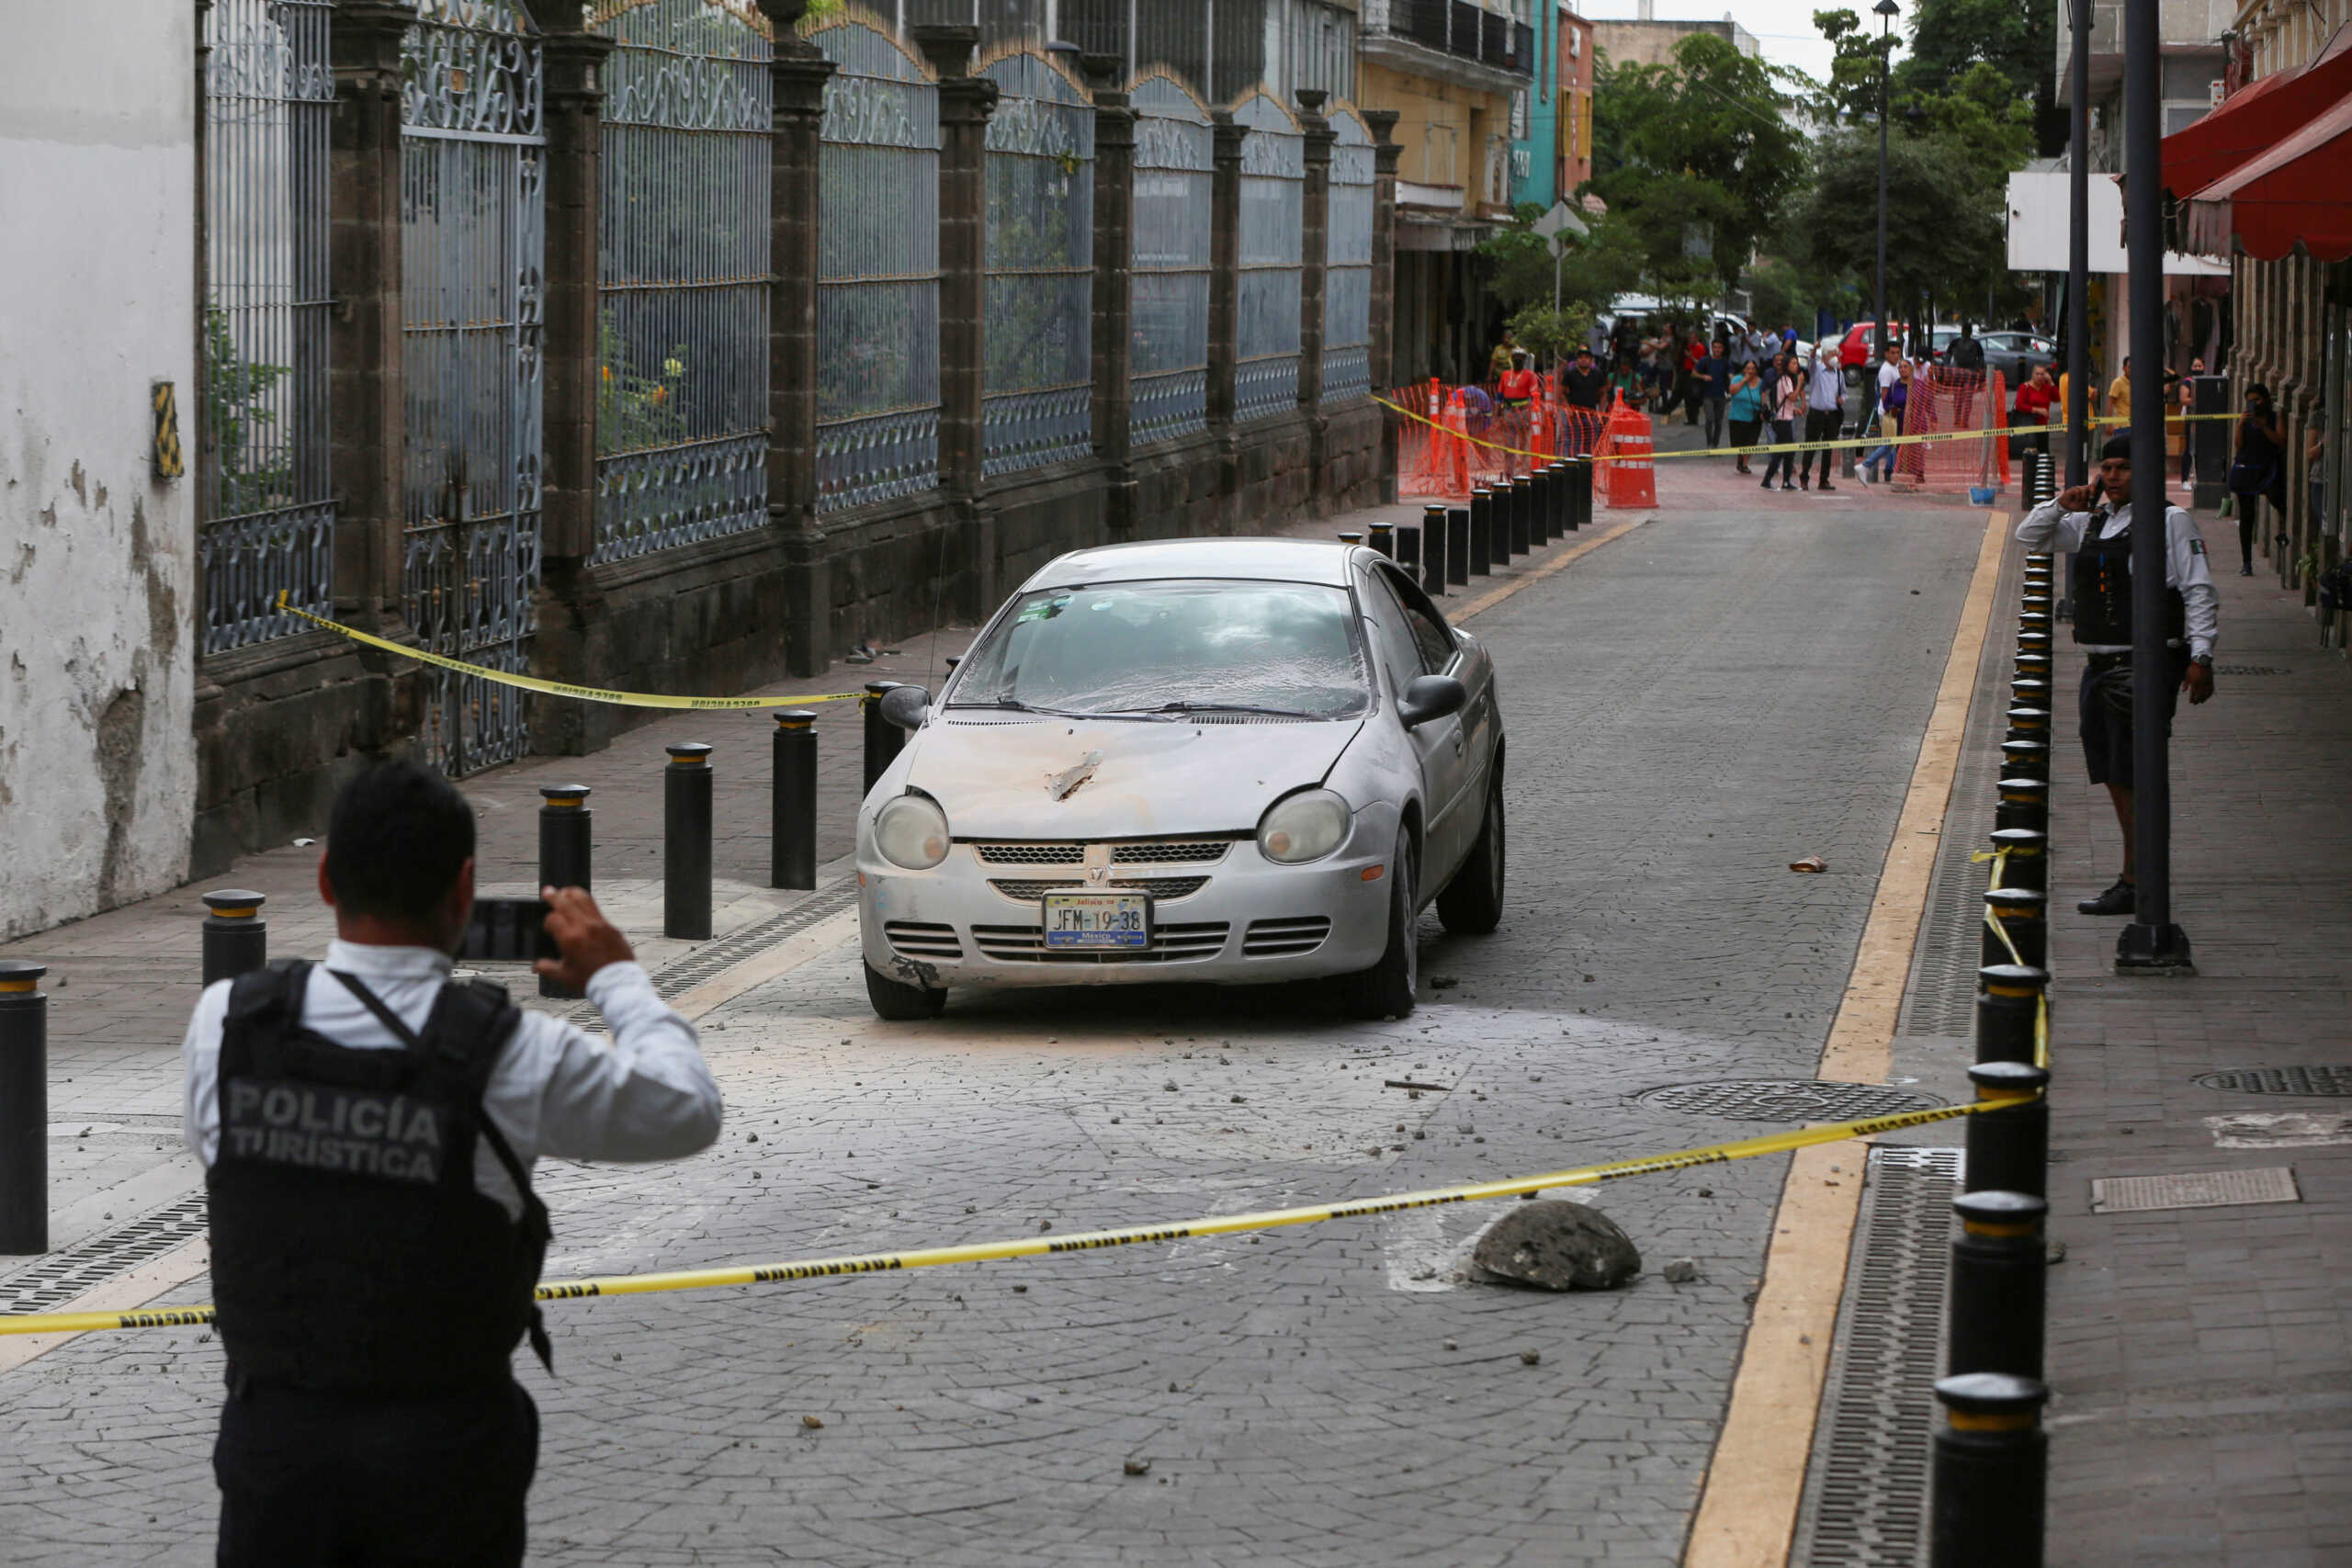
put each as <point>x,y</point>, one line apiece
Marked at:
<point>2019,38</point>
<point>1944,243</point>
<point>1851,94</point>
<point>1696,159</point>
<point>1598,265</point>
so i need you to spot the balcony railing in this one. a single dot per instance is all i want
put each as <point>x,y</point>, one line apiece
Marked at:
<point>1455,28</point>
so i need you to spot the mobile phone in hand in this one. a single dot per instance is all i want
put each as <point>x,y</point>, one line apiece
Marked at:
<point>508,931</point>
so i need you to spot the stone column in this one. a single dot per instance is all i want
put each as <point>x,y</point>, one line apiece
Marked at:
<point>1114,224</point>
<point>366,429</point>
<point>965,104</point>
<point>1314,256</point>
<point>575,130</point>
<point>1385,154</point>
<point>797,81</point>
<point>1225,306</point>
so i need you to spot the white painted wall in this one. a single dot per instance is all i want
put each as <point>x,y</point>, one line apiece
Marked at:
<point>97,559</point>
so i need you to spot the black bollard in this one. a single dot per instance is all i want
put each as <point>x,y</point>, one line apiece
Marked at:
<point>2034,640</point>
<point>2008,1007</point>
<point>2028,724</point>
<point>2024,916</point>
<point>1433,549</point>
<point>1523,514</point>
<point>792,801</point>
<point>1579,493</point>
<point>685,841</point>
<point>1383,540</point>
<point>1351,536</point>
<point>2030,665</point>
<point>2040,557</point>
<point>2008,1149</point>
<point>883,739</point>
<point>1457,546</point>
<point>1991,1470</point>
<point>1995,1324</point>
<point>24,1107</point>
<point>1409,548</point>
<point>2024,803</point>
<point>565,851</point>
<point>1539,512</point>
<point>1563,499</point>
<point>2025,760</point>
<point>235,936</point>
<point>2029,692</point>
<point>2029,862</point>
<point>1482,531</point>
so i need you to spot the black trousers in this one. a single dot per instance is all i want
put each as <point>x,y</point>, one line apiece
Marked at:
<point>340,1480</point>
<point>1820,424</point>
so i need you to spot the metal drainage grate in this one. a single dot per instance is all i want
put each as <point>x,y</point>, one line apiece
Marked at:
<point>1866,1496</point>
<point>2251,670</point>
<point>62,1276</point>
<point>677,978</point>
<point>2194,1190</point>
<point>2331,1082</point>
<point>1783,1099</point>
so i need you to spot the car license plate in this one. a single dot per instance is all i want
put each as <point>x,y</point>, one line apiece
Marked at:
<point>1097,920</point>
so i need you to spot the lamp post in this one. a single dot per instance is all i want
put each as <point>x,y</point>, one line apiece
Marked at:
<point>1885,9</point>
<point>2078,247</point>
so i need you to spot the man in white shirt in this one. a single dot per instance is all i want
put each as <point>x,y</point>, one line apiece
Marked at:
<point>2094,522</point>
<point>368,1128</point>
<point>1824,411</point>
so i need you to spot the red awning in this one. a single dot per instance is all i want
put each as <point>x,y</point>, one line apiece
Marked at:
<point>2258,118</point>
<point>2294,194</point>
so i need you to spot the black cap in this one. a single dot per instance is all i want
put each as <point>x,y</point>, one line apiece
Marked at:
<point>2117,446</point>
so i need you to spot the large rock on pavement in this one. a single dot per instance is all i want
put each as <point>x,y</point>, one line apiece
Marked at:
<point>1559,1247</point>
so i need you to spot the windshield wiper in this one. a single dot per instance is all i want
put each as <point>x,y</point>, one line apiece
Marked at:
<point>1183,707</point>
<point>1013,705</point>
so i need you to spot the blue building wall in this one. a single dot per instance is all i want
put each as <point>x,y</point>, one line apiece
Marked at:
<point>1538,154</point>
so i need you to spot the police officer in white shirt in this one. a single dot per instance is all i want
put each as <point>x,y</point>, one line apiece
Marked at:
<point>368,1127</point>
<point>2094,521</point>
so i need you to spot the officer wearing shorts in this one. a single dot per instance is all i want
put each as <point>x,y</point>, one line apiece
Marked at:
<point>2094,522</point>
<point>368,1127</point>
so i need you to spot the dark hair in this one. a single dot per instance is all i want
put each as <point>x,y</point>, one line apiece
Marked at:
<point>396,839</point>
<point>2259,391</point>
<point>2117,446</point>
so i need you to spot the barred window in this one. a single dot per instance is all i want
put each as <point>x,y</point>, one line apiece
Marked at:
<point>1175,170</point>
<point>681,391</point>
<point>1038,400</point>
<point>877,290</point>
<point>1273,179</point>
<point>1347,258</point>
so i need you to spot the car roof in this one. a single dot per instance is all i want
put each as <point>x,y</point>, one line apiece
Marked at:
<point>1259,559</point>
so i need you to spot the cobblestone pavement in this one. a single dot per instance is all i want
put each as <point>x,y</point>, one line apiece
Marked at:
<point>1691,708</point>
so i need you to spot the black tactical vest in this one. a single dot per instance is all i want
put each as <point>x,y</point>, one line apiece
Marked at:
<point>351,1250</point>
<point>2102,590</point>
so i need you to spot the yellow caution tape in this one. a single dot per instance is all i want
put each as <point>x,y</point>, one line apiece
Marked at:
<point>1873,442</point>
<point>560,688</point>
<point>2000,859</point>
<point>1095,1241</point>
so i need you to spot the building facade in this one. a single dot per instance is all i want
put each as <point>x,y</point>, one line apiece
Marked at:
<point>668,346</point>
<point>1578,45</point>
<point>1450,71</point>
<point>1645,40</point>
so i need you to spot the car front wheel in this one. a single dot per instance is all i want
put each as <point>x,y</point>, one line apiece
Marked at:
<point>900,1002</point>
<point>1387,989</point>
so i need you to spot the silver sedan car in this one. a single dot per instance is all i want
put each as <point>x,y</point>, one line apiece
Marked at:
<point>1240,761</point>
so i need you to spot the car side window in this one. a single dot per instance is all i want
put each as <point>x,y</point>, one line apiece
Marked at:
<point>1429,628</point>
<point>1393,639</point>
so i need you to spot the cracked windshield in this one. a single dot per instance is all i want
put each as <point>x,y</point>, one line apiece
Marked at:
<point>1145,648</point>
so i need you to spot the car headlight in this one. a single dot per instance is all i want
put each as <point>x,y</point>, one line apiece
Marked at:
<point>911,830</point>
<point>1303,827</point>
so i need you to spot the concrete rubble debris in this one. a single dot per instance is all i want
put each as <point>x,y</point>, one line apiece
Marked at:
<point>1557,1246</point>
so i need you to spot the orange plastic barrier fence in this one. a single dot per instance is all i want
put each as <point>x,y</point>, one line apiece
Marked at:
<point>1477,438</point>
<point>1947,399</point>
<point>1631,478</point>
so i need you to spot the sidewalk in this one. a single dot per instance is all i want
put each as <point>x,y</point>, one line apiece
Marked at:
<point>2201,1357</point>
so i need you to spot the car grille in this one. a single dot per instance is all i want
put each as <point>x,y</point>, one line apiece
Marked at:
<point>1170,853</point>
<point>922,939</point>
<point>1284,939</point>
<point>1031,855</point>
<point>1164,851</point>
<point>1169,944</point>
<point>1161,887</point>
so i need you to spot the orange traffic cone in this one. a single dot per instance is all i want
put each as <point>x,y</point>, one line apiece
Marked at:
<point>1632,480</point>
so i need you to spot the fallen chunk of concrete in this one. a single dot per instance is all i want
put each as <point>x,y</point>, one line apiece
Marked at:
<point>1558,1245</point>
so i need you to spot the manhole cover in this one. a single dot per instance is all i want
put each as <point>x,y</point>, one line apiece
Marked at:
<point>2332,1082</point>
<point>1784,1099</point>
<point>2194,1190</point>
<point>2251,670</point>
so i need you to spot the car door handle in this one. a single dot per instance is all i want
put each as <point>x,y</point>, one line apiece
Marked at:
<point>1457,742</point>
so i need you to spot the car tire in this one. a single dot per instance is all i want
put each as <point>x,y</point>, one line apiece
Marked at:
<point>1387,989</point>
<point>1471,904</point>
<point>900,1002</point>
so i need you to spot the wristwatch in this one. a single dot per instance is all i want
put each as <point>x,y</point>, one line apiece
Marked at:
<point>2204,658</point>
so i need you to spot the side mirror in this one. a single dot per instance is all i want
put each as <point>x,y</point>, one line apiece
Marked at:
<point>1429,697</point>
<point>906,706</point>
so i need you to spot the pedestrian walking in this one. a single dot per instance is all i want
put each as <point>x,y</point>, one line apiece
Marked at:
<point>1714,375</point>
<point>1966,352</point>
<point>369,1126</point>
<point>2118,396</point>
<point>1583,385</point>
<point>1891,405</point>
<point>2257,470</point>
<point>2035,399</point>
<point>1825,413</point>
<point>1747,406</point>
<point>1784,405</point>
<point>1690,390</point>
<point>1498,362</point>
<point>1516,394</point>
<point>2094,522</point>
<point>2187,392</point>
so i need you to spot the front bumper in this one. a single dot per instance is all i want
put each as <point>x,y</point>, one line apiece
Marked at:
<point>1237,920</point>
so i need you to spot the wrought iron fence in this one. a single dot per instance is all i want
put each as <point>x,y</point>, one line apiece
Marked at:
<point>1347,260</point>
<point>473,259</point>
<point>268,520</point>
<point>877,290</point>
<point>682,389</point>
<point>1037,380</point>
<point>1167,379</point>
<point>1273,178</point>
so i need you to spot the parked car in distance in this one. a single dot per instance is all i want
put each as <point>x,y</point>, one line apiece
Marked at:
<point>2013,354</point>
<point>1240,761</point>
<point>1861,344</point>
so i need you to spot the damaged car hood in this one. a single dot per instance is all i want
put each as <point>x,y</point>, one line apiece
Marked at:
<point>1062,778</point>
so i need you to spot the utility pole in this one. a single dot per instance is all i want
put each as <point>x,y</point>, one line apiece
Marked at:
<point>1886,10</point>
<point>2078,247</point>
<point>2151,944</point>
